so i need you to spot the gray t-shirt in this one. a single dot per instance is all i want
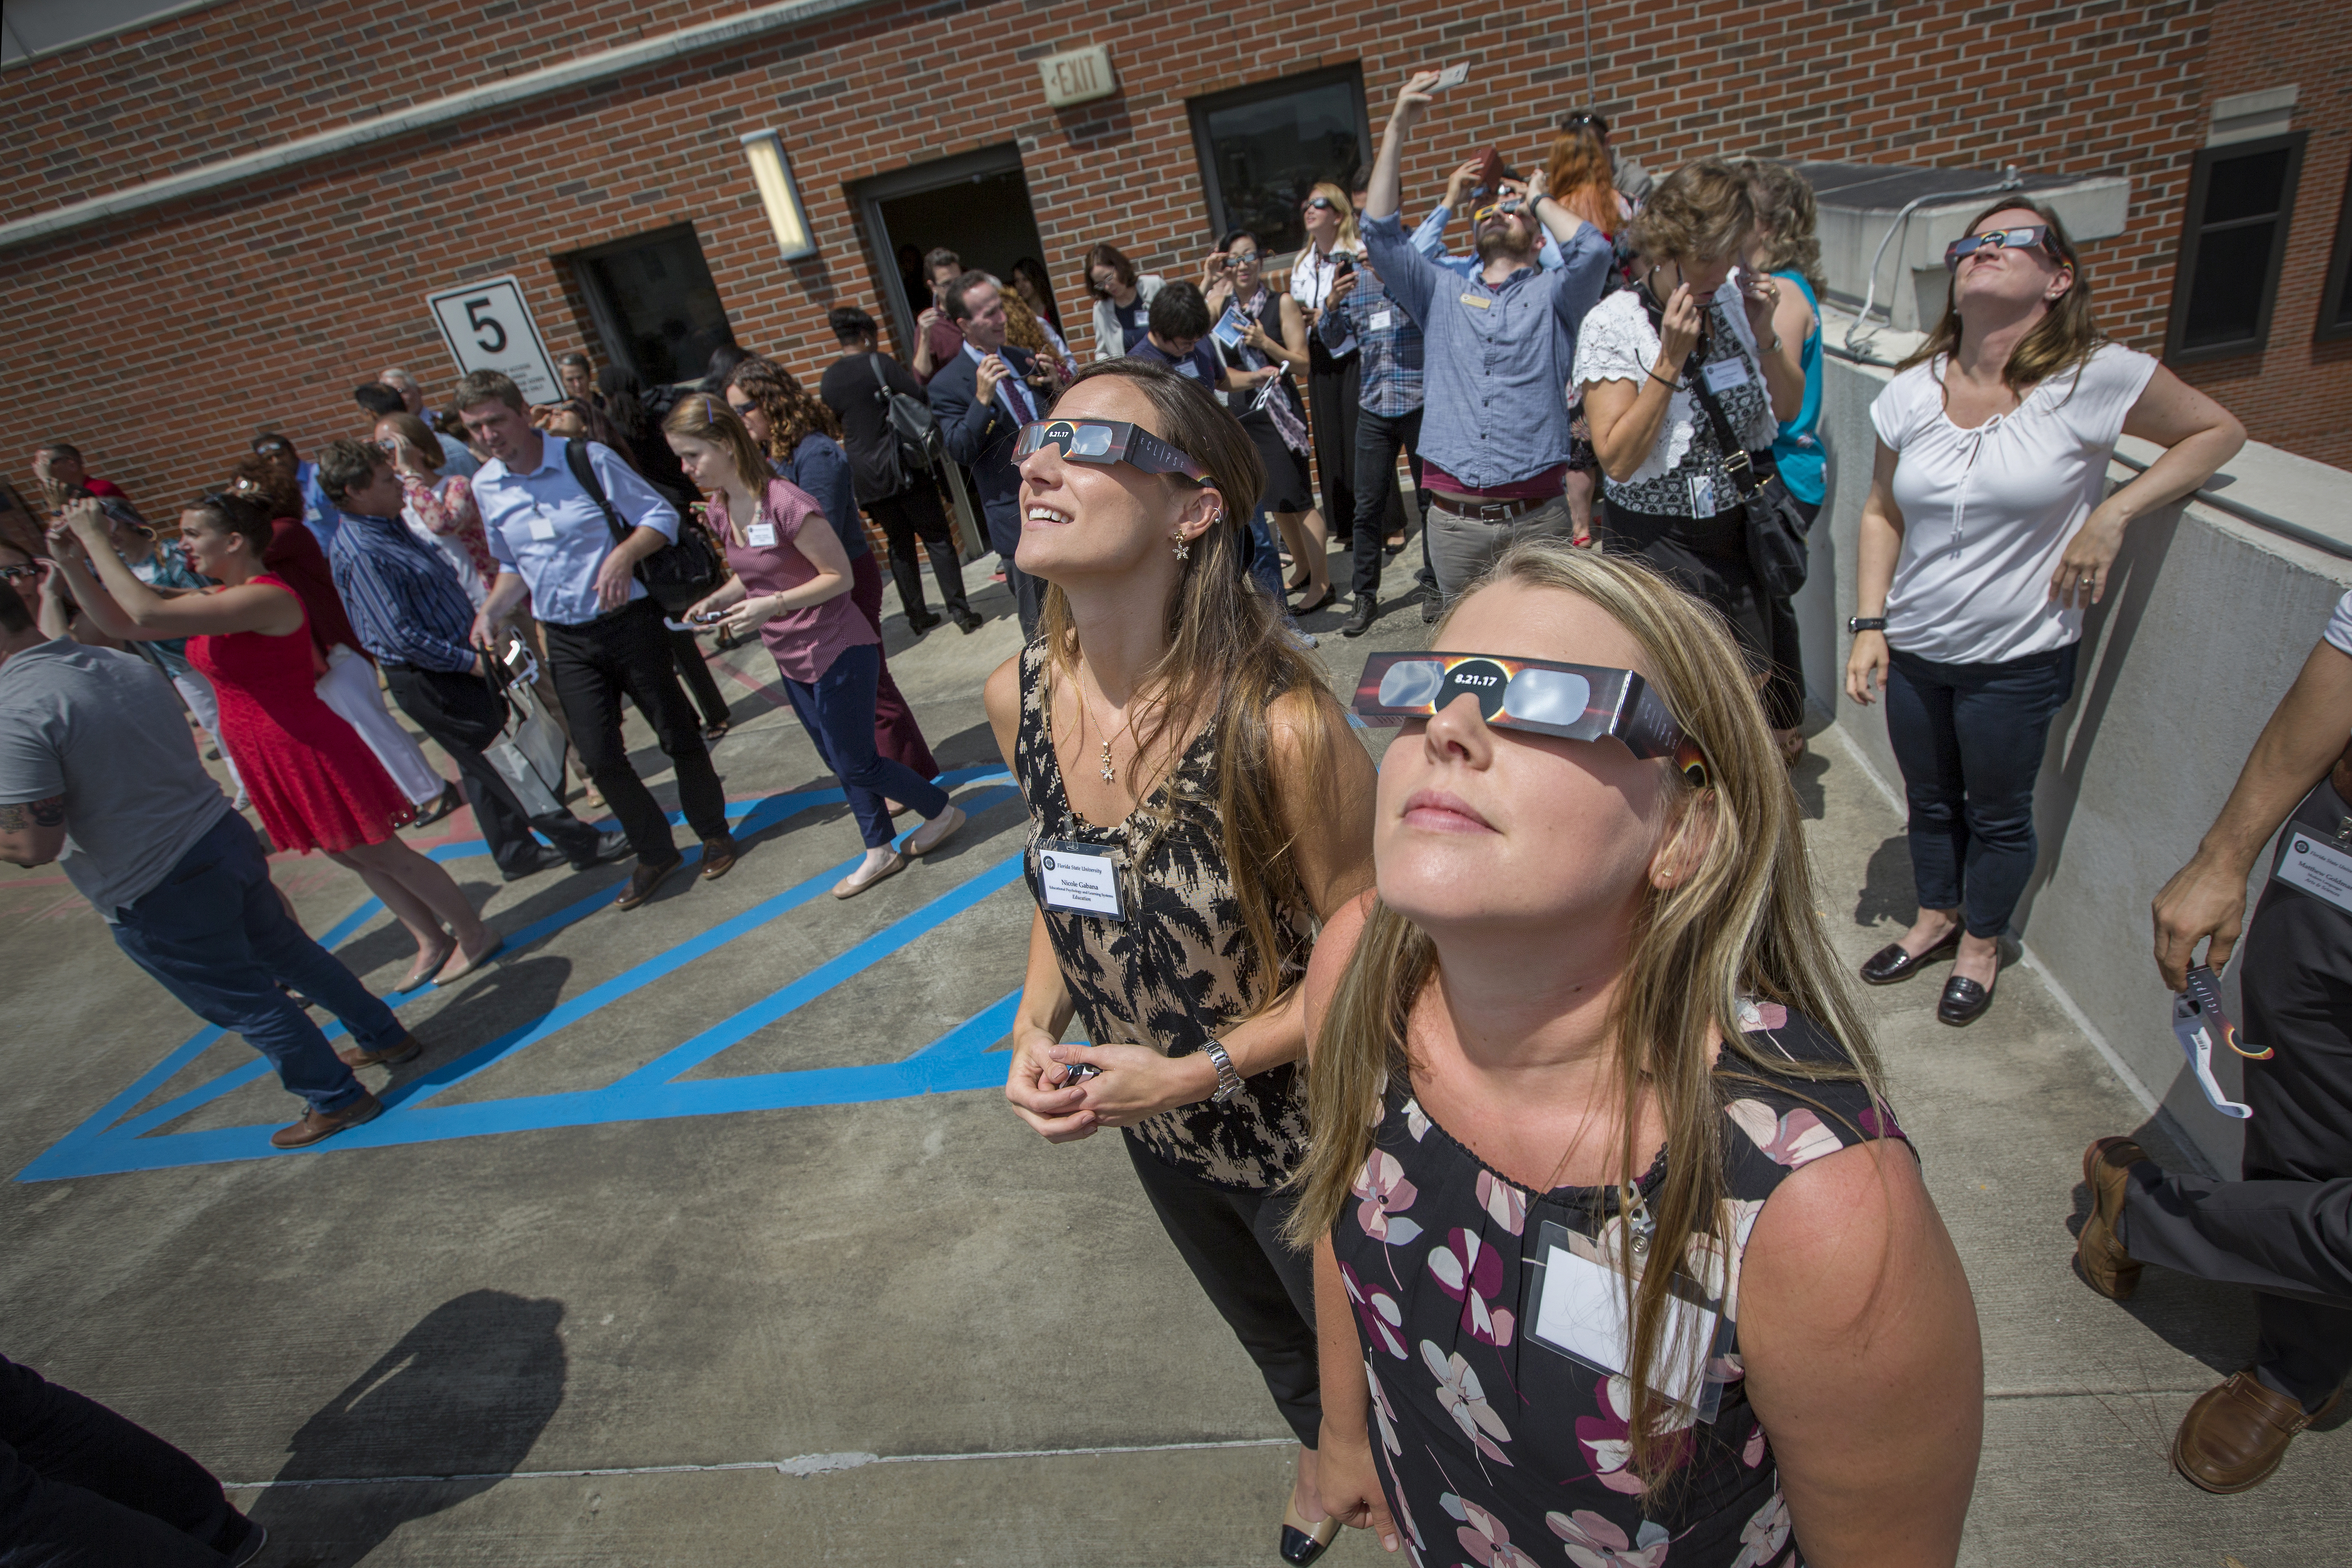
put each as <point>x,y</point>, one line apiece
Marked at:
<point>104,729</point>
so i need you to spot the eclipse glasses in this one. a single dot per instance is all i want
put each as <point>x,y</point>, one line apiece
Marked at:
<point>1103,442</point>
<point>2030,237</point>
<point>1574,702</point>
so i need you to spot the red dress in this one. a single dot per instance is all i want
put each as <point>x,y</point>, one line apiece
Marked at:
<point>312,779</point>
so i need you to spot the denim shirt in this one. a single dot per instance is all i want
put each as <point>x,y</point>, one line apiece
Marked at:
<point>1391,343</point>
<point>1497,358</point>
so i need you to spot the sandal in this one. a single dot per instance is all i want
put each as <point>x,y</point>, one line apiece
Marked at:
<point>849,886</point>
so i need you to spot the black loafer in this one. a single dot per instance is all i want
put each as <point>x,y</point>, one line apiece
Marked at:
<point>1963,1002</point>
<point>1891,964</point>
<point>611,845</point>
<point>1359,619</point>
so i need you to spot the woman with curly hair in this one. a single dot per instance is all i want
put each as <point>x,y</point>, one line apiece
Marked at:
<point>802,439</point>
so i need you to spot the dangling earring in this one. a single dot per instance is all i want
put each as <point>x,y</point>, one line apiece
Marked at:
<point>1183,548</point>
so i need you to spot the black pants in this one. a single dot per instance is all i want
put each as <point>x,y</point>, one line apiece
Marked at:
<point>459,711</point>
<point>627,654</point>
<point>2285,1230</point>
<point>694,668</point>
<point>81,1486</point>
<point>1264,1290</point>
<point>913,514</point>
<point>1333,389</point>
<point>1377,437</point>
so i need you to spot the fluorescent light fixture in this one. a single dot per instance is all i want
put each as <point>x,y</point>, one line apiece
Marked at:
<point>773,175</point>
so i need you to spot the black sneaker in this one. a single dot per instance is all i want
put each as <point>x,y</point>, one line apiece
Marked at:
<point>1359,619</point>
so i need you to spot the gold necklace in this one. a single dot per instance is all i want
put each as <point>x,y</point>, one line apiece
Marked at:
<point>1086,710</point>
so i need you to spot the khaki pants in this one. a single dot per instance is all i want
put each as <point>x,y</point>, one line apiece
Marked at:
<point>1460,548</point>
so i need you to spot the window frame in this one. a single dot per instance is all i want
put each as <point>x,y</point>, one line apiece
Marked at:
<point>2192,229</point>
<point>2335,323</point>
<point>604,311</point>
<point>1198,109</point>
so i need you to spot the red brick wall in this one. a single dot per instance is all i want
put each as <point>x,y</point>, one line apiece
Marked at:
<point>2295,393</point>
<point>161,340</point>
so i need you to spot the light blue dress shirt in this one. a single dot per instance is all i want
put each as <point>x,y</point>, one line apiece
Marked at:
<point>456,458</point>
<point>542,525</point>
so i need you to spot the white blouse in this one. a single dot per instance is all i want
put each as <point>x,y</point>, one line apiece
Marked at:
<point>1616,342</point>
<point>1987,512</point>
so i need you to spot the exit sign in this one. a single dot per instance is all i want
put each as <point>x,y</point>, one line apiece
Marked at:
<point>1077,76</point>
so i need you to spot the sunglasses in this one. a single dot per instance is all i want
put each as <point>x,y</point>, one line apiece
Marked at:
<point>2030,236</point>
<point>1574,702</point>
<point>1103,442</point>
<point>1323,201</point>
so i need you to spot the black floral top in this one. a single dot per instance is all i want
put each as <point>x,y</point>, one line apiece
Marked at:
<point>1179,970</point>
<point>1492,1443</point>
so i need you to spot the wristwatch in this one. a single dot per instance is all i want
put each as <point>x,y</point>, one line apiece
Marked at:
<point>1229,1082</point>
<point>1855,623</point>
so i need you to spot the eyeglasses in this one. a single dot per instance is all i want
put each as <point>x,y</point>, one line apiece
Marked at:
<point>2035,234</point>
<point>1575,701</point>
<point>1103,442</point>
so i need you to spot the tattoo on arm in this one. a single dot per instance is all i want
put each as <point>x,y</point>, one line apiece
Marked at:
<point>49,812</point>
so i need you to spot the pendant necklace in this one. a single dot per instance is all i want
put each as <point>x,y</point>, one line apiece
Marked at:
<point>1109,773</point>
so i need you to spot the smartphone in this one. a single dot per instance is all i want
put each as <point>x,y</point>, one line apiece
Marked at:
<point>1346,264</point>
<point>1452,75</point>
<point>708,617</point>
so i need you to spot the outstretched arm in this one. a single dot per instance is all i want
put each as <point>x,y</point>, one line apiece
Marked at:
<point>1385,194</point>
<point>127,608</point>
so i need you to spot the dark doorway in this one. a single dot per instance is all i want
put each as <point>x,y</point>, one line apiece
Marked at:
<point>654,303</point>
<point>976,205</point>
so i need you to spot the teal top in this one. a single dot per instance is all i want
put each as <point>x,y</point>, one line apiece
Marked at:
<point>1797,450</point>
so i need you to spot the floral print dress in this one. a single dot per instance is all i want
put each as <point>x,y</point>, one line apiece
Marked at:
<point>1180,970</point>
<point>1498,1450</point>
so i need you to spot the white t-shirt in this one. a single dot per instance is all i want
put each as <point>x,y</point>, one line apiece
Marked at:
<point>1987,512</point>
<point>2340,625</point>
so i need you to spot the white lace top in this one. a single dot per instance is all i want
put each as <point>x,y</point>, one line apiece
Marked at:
<point>1617,343</point>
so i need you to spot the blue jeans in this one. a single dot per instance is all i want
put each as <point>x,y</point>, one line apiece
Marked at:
<point>214,933</point>
<point>837,710</point>
<point>1969,739</point>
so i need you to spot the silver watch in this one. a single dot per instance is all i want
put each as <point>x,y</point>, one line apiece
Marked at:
<point>1229,1082</point>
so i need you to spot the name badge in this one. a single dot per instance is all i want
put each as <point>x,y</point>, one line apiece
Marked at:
<point>1076,878</point>
<point>1381,321</point>
<point>1580,1312</point>
<point>2318,869</point>
<point>1701,493</point>
<point>760,536</point>
<point>1188,370</point>
<point>1724,374</point>
<point>1479,300</point>
<point>542,525</point>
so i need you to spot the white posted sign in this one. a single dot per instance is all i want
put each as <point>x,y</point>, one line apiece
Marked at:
<point>488,327</point>
<point>1077,76</point>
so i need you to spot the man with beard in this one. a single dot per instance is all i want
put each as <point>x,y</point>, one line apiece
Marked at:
<point>1498,345</point>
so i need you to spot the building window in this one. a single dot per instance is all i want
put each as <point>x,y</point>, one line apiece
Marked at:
<point>1262,149</point>
<point>2232,241</point>
<point>2336,298</point>
<point>654,304</point>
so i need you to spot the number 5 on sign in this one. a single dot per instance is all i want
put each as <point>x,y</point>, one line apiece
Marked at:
<point>488,327</point>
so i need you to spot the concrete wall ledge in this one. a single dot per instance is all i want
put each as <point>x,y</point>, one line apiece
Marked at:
<point>2207,621</point>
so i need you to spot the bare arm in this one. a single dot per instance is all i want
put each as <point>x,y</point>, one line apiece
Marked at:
<point>506,591</point>
<point>33,831</point>
<point>127,608</point>
<point>1873,570</point>
<point>2199,436</point>
<point>1290,348</point>
<point>1781,313</point>
<point>1385,194</point>
<point>1625,416</point>
<point>2207,898</point>
<point>1864,1361</point>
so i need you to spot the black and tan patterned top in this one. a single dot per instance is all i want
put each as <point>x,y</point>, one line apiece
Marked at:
<point>1178,970</point>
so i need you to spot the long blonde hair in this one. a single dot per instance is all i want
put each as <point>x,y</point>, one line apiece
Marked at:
<point>1226,665</point>
<point>1348,239</point>
<point>1740,925</point>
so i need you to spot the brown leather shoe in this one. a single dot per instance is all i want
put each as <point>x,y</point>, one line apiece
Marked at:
<point>313,1127</point>
<point>2236,1433</point>
<point>400,1050</point>
<point>719,857</point>
<point>644,879</point>
<point>2099,1258</point>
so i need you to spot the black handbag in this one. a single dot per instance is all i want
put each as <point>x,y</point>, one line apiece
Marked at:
<point>675,577</point>
<point>1776,529</point>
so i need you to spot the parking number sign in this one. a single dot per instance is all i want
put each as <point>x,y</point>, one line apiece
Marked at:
<point>488,327</point>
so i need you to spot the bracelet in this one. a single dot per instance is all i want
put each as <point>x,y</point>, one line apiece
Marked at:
<point>1229,1082</point>
<point>1656,377</point>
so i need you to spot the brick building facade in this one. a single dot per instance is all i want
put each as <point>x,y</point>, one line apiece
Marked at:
<point>159,335</point>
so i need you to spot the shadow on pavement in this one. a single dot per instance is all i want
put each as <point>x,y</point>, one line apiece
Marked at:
<point>1886,890</point>
<point>463,1395</point>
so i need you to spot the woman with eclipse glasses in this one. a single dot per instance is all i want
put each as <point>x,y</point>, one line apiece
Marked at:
<point>1987,536</point>
<point>1583,1062</point>
<point>1196,808</point>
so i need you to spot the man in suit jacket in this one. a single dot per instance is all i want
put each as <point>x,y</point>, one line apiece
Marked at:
<point>981,398</point>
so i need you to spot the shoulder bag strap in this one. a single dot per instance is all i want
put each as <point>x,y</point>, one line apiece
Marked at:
<point>575,457</point>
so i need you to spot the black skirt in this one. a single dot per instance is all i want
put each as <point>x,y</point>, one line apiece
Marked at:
<point>1286,484</point>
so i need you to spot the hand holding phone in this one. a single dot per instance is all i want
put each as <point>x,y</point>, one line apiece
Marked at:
<point>1452,75</point>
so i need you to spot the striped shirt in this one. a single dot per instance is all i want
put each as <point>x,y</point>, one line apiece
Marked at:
<point>402,594</point>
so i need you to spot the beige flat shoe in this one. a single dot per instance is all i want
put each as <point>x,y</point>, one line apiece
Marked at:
<point>849,886</point>
<point>931,835</point>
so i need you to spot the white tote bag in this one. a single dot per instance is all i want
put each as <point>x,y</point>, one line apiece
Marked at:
<point>529,753</point>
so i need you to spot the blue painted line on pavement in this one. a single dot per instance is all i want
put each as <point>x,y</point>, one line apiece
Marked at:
<point>98,1147</point>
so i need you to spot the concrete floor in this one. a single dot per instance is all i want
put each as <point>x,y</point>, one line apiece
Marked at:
<point>529,1317</point>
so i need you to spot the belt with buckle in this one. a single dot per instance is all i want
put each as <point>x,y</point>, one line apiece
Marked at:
<point>1491,510</point>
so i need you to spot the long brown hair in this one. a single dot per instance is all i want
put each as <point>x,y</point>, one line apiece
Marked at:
<point>1579,177</point>
<point>700,416</point>
<point>1740,925</point>
<point>1227,664</point>
<point>2065,338</point>
<point>794,413</point>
